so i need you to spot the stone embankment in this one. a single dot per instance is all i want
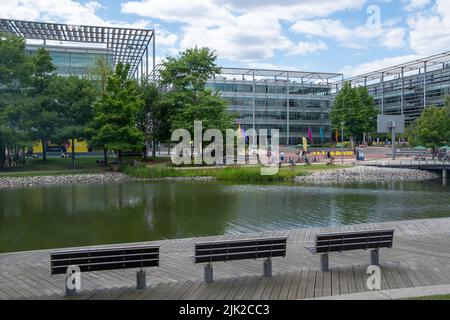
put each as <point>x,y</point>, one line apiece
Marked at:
<point>364,174</point>
<point>38,181</point>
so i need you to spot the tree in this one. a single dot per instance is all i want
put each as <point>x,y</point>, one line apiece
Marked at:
<point>188,98</point>
<point>73,98</point>
<point>41,119</point>
<point>356,108</point>
<point>447,105</point>
<point>114,123</point>
<point>432,129</point>
<point>152,116</point>
<point>16,70</point>
<point>99,73</point>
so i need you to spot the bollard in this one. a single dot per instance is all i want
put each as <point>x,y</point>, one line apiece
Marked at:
<point>324,267</point>
<point>375,257</point>
<point>209,273</point>
<point>141,280</point>
<point>267,265</point>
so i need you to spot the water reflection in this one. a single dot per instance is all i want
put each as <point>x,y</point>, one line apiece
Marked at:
<point>113,213</point>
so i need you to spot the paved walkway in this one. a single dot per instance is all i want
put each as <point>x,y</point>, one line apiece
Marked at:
<point>420,257</point>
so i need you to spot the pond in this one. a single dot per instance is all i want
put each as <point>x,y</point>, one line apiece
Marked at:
<point>66,216</point>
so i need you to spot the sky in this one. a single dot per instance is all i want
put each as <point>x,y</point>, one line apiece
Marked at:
<point>344,36</point>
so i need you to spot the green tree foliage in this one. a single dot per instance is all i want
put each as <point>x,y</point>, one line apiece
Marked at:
<point>72,98</point>
<point>40,118</point>
<point>356,108</point>
<point>188,98</point>
<point>114,124</point>
<point>99,73</point>
<point>16,70</point>
<point>152,118</point>
<point>15,67</point>
<point>432,129</point>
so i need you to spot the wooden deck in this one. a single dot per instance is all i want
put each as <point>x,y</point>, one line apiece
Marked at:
<point>420,257</point>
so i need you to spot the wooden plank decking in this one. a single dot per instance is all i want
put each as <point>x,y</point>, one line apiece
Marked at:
<point>420,257</point>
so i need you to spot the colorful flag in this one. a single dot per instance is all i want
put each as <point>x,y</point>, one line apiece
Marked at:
<point>337,135</point>
<point>310,135</point>
<point>321,133</point>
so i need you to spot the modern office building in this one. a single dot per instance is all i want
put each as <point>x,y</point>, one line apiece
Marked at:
<point>408,88</point>
<point>75,48</point>
<point>290,101</point>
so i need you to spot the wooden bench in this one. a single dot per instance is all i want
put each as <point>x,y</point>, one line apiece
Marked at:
<point>102,259</point>
<point>372,240</point>
<point>224,251</point>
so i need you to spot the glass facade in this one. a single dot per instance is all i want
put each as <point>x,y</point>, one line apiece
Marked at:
<point>288,106</point>
<point>73,61</point>
<point>410,94</point>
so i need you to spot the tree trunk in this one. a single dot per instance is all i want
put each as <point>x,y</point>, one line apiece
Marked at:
<point>2,157</point>
<point>44,150</point>
<point>154,148</point>
<point>145,151</point>
<point>73,153</point>
<point>120,157</point>
<point>105,157</point>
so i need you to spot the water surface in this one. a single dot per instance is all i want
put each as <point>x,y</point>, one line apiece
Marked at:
<point>56,217</point>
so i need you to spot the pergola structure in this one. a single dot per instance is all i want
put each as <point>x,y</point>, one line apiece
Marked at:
<point>301,76</point>
<point>127,45</point>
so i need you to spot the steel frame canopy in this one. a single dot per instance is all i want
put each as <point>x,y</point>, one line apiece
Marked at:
<point>126,44</point>
<point>401,69</point>
<point>281,74</point>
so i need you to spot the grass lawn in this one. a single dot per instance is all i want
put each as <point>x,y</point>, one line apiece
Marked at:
<point>441,297</point>
<point>60,166</point>
<point>244,174</point>
<point>53,166</point>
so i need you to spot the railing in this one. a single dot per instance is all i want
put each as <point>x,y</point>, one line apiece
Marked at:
<point>438,164</point>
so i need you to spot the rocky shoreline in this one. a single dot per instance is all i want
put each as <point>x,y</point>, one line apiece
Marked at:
<point>360,174</point>
<point>39,181</point>
<point>363,174</point>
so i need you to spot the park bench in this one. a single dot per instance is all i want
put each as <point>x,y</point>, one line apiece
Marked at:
<point>373,240</point>
<point>232,250</point>
<point>102,259</point>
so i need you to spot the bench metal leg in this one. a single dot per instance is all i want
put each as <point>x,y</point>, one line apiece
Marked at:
<point>267,266</point>
<point>209,273</point>
<point>324,265</point>
<point>141,280</point>
<point>375,257</point>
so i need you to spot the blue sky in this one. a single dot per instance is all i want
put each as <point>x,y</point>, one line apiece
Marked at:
<point>349,36</point>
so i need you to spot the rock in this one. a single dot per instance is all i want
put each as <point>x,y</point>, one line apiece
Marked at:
<point>364,174</point>
<point>20,182</point>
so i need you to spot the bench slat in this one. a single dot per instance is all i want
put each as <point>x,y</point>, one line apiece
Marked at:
<point>105,258</point>
<point>356,240</point>
<point>206,252</point>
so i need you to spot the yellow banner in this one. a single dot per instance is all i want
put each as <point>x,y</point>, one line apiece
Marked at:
<point>305,144</point>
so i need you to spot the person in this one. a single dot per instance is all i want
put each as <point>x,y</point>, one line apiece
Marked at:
<point>331,162</point>
<point>306,160</point>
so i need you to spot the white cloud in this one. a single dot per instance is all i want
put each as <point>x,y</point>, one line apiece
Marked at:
<point>350,71</point>
<point>244,31</point>
<point>52,10</point>
<point>359,37</point>
<point>412,5</point>
<point>429,33</point>
<point>308,47</point>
